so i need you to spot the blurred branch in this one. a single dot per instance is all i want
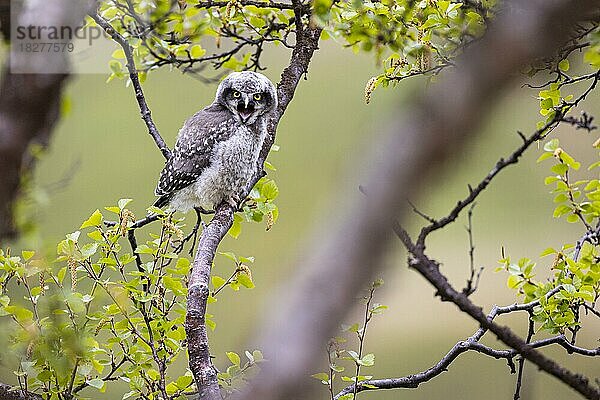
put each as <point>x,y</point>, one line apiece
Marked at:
<point>29,102</point>
<point>349,249</point>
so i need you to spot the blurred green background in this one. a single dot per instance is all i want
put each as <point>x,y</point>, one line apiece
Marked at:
<point>101,152</point>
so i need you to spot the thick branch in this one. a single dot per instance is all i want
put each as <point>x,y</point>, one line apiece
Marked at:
<point>348,249</point>
<point>200,363</point>
<point>213,233</point>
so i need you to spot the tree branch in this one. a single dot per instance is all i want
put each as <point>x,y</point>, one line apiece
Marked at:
<point>429,270</point>
<point>200,362</point>
<point>258,4</point>
<point>135,81</point>
<point>471,344</point>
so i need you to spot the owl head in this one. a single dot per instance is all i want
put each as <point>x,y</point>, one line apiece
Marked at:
<point>247,95</point>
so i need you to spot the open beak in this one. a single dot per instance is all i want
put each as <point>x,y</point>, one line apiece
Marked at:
<point>245,108</point>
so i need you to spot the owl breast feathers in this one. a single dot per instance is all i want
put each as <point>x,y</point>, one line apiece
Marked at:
<point>217,149</point>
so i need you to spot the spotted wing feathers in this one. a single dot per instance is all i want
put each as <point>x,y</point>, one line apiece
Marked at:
<point>193,150</point>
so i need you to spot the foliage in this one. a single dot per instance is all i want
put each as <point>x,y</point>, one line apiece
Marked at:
<point>408,38</point>
<point>575,267</point>
<point>91,317</point>
<point>191,34</point>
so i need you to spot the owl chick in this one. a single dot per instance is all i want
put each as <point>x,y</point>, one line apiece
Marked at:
<point>217,149</point>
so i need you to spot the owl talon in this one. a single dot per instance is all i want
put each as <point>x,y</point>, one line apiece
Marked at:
<point>233,201</point>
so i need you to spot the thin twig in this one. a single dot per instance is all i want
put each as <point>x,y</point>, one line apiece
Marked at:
<point>473,281</point>
<point>135,81</point>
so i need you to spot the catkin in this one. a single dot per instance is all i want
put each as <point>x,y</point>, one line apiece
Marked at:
<point>73,270</point>
<point>371,84</point>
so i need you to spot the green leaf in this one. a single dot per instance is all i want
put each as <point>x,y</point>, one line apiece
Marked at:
<point>544,156</point>
<point>233,357</point>
<point>567,159</point>
<point>184,381</point>
<point>559,169</point>
<point>564,65</point>
<point>322,376</point>
<point>197,51</point>
<point>350,328</point>
<point>368,360</point>
<point>236,227</point>
<point>94,220</point>
<point>245,280</point>
<point>551,145</point>
<point>156,210</point>
<point>115,210</point>
<point>175,285</point>
<point>171,388</point>
<point>89,249</point>
<point>123,202</point>
<point>258,356</point>
<point>229,255</point>
<point>269,190</point>
<point>514,281</point>
<point>97,383</point>
<point>217,281</point>
<point>548,251</point>
<point>27,254</point>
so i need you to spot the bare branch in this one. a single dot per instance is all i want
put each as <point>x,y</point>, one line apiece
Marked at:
<point>429,270</point>
<point>473,281</point>
<point>414,380</point>
<point>530,331</point>
<point>513,158</point>
<point>470,344</point>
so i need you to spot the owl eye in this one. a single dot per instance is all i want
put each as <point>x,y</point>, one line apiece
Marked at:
<point>257,96</point>
<point>236,94</point>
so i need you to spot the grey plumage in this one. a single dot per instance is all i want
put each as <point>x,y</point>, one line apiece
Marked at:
<point>217,149</point>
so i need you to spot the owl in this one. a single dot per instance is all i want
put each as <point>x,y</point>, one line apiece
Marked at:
<point>217,149</point>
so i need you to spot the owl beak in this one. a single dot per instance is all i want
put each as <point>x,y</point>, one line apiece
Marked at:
<point>245,108</point>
